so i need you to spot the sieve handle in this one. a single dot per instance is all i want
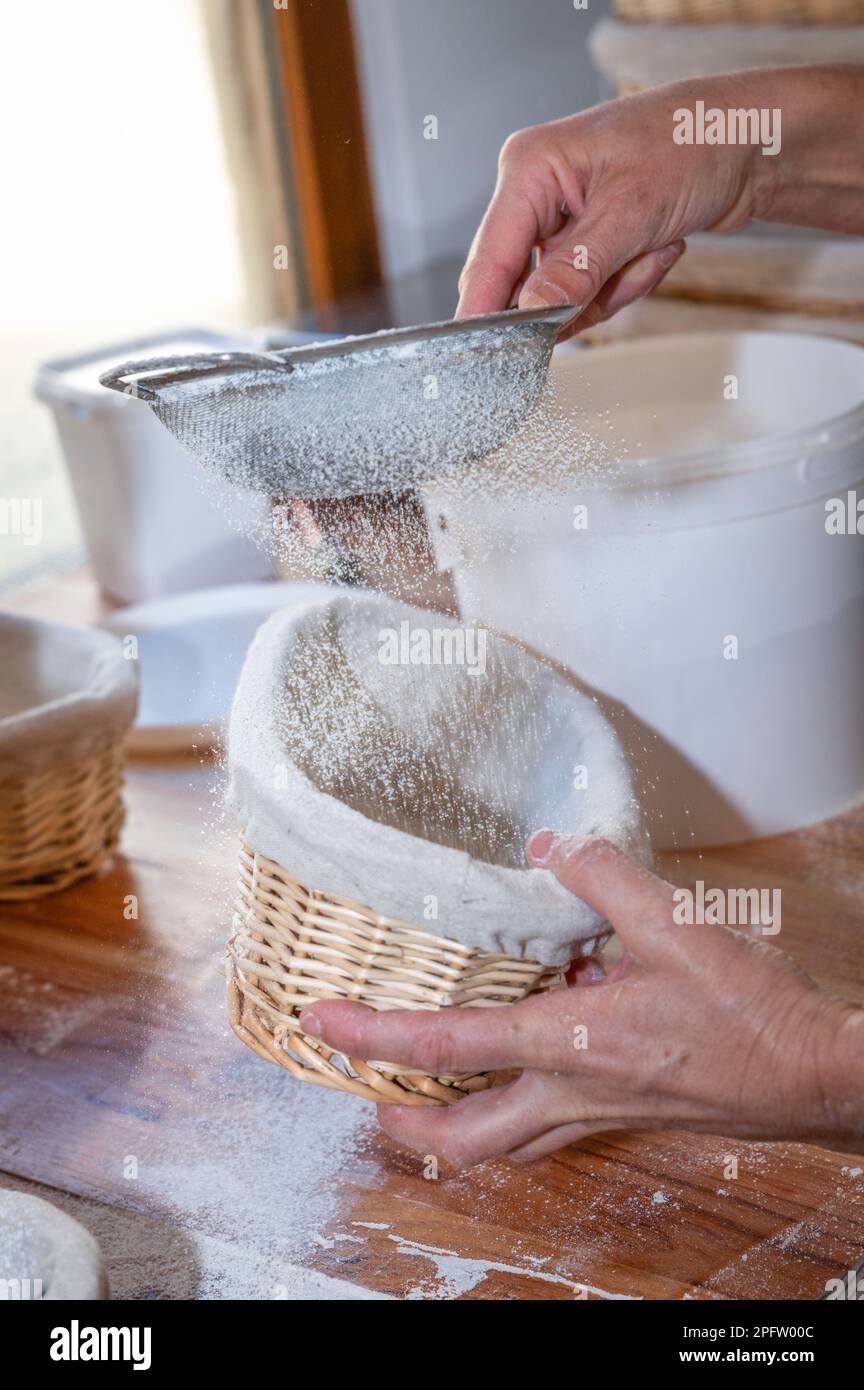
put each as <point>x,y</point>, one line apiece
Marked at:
<point>163,371</point>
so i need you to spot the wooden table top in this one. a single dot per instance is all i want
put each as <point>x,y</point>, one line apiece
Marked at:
<point>206,1172</point>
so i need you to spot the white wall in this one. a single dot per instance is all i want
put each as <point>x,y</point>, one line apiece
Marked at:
<point>484,68</point>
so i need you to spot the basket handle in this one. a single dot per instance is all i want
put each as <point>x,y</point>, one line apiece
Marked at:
<point>142,378</point>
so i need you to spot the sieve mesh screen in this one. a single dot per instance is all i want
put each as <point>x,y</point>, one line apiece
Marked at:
<point>366,415</point>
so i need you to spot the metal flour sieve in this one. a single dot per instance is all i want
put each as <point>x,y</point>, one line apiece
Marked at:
<point>380,413</point>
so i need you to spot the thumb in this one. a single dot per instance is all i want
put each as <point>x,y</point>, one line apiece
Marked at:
<point>636,902</point>
<point>583,257</point>
<point>576,265</point>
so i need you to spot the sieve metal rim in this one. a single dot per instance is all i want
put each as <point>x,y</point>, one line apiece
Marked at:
<point>142,377</point>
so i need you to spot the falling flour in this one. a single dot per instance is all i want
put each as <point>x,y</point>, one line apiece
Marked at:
<point>393,783</point>
<point>381,536</point>
<point>354,419</point>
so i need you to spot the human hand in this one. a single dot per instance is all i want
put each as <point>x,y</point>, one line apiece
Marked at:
<point>611,185</point>
<point>697,1027</point>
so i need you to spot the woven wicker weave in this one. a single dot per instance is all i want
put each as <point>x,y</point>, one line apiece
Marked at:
<point>60,823</point>
<point>741,11</point>
<point>291,945</point>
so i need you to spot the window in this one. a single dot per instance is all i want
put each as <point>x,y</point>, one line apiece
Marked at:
<point>119,220</point>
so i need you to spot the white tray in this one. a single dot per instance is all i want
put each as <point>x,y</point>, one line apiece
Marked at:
<point>191,648</point>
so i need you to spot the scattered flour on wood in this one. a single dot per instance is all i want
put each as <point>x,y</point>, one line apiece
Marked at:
<point>149,1260</point>
<point>40,1015</point>
<point>456,1275</point>
<point>260,1165</point>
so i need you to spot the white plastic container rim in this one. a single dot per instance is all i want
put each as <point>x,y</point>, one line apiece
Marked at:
<point>796,424</point>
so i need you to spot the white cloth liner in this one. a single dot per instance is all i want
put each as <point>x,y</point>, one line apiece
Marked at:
<point>61,685</point>
<point>518,703</point>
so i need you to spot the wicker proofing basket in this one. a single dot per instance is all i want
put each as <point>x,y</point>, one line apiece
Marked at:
<point>60,824</point>
<point>741,11</point>
<point>292,945</point>
<point>61,754</point>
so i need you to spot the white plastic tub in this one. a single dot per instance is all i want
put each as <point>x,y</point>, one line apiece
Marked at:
<point>151,523</point>
<point>710,532</point>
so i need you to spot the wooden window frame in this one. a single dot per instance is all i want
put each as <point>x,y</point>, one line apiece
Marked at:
<point>322,115</point>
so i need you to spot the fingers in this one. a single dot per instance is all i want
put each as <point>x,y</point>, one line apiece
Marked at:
<point>593,237</point>
<point>577,262</point>
<point>501,250</point>
<point>513,302</point>
<point>609,235</point>
<point>636,902</point>
<point>608,280</point>
<point>529,1034</point>
<point>585,971</point>
<point>551,1142</point>
<point>482,1126</point>
<point>445,1041</point>
<point>638,279</point>
<point>557,280</point>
